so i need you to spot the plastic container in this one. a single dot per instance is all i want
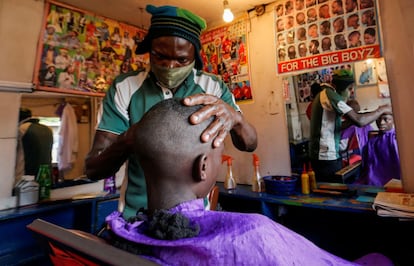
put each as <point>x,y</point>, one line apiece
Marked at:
<point>44,179</point>
<point>229,180</point>
<point>110,185</point>
<point>280,185</point>
<point>304,177</point>
<point>312,178</point>
<point>258,184</point>
<point>26,191</point>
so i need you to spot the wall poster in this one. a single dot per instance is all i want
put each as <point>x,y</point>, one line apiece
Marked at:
<point>304,81</point>
<point>320,33</point>
<point>225,53</point>
<point>384,91</point>
<point>365,73</point>
<point>81,53</point>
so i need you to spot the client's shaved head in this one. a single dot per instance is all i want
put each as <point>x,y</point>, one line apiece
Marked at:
<point>165,131</point>
<point>174,159</point>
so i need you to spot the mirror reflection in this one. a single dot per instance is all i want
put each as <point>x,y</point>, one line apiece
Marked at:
<point>69,120</point>
<point>367,151</point>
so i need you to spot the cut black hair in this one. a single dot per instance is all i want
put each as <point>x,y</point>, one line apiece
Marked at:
<point>171,226</point>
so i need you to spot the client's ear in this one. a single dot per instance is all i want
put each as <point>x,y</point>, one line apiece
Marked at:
<point>200,168</point>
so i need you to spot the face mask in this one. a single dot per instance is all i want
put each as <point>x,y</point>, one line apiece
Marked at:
<point>171,77</point>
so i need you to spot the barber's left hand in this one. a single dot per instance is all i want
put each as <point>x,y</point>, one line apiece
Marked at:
<point>225,117</point>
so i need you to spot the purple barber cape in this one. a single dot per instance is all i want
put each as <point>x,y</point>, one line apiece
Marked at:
<point>380,160</point>
<point>361,134</point>
<point>228,238</point>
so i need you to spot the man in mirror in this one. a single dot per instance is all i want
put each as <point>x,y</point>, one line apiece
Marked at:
<point>327,110</point>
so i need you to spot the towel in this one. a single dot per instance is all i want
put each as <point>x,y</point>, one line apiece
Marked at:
<point>68,139</point>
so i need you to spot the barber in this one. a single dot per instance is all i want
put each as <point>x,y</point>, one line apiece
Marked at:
<point>173,41</point>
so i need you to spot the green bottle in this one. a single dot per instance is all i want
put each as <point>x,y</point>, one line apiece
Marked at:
<point>45,181</point>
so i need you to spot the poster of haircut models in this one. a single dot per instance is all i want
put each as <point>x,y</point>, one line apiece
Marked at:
<point>319,33</point>
<point>304,81</point>
<point>81,53</point>
<point>224,53</point>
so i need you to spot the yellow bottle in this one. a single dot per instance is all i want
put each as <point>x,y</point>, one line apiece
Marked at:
<point>229,181</point>
<point>305,181</point>
<point>312,178</point>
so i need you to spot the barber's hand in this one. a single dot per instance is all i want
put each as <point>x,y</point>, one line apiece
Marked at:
<point>226,117</point>
<point>386,108</point>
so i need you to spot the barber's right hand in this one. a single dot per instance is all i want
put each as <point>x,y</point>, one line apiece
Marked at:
<point>386,108</point>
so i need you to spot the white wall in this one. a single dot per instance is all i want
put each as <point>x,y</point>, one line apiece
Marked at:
<point>19,29</point>
<point>267,112</point>
<point>8,132</point>
<point>20,23</point>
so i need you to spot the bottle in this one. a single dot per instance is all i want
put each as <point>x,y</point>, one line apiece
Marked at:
<point>257,180</point>
<point>229,181</point>
<point>305,181</point>
<point>312,178</point>
<point>110,185</point>
<point>44,179</point>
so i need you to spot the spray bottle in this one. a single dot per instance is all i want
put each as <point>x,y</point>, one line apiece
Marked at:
<point>229,181</point>
<point>305,181</point>
<point>257,180</point>
<point>312,178</point>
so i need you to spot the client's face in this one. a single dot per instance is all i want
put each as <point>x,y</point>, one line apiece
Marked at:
<point>385,122</point>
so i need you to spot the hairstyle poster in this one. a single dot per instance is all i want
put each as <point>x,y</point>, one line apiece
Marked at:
<point>365,73</point>
<point>384,91</point>
<point>224,53</point>
<point>81,53</point>
<point>304,81</point>
<point>319,33</point>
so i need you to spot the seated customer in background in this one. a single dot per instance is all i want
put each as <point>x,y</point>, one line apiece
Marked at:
<point>34,145</point>
<point>353,138</point>
<point>176,229</point>
<point>380,158</point>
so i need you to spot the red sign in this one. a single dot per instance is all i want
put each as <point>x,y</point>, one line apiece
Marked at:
<point>327,59</point>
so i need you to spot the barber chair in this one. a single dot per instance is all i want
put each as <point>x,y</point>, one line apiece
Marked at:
<point>73,247</point>
<point>351,161</point>
<point>213,198</point>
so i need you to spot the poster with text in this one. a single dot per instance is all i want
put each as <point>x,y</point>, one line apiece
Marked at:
<point>320,33</point>
<point>81,53</point>
<point>224,53</point>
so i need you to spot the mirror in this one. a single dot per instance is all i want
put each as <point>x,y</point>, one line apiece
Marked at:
<point>48,108</point>
<point>370,91</point>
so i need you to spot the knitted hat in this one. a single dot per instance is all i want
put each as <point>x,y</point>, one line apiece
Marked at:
<point>24,113</point>
<point>342,78</point>
<point>174,21</point>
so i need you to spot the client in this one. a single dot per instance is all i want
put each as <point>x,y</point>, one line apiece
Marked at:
<point>176,229</point>
<point>380,158</point>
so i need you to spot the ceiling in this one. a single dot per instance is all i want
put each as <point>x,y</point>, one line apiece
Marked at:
<point>133,11</point>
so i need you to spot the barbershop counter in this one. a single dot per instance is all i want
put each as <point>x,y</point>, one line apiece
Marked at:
<point>346,226</point>
<point>18,245</point>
